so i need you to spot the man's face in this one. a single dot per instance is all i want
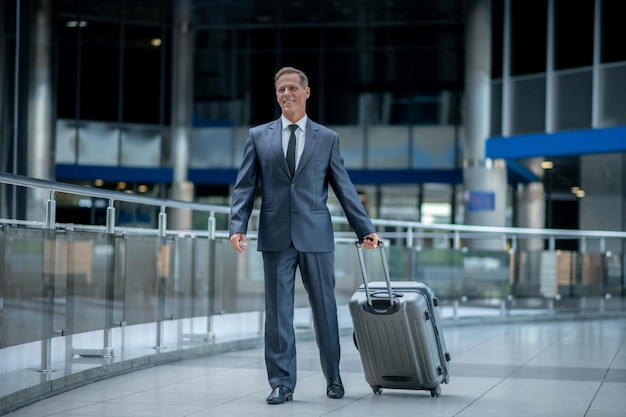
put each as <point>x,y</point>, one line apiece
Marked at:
<point>291,96</point>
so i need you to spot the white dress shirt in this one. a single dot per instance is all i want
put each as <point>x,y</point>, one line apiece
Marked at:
<point>300,135</point>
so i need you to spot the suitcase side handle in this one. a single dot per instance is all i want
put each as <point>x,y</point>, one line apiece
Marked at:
<point>383,258</point>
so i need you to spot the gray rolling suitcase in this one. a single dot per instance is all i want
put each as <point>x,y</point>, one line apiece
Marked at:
<point>397,334</point>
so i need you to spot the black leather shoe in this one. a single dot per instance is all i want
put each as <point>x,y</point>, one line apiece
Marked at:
<point>334,388</point>
<point>279,395</point>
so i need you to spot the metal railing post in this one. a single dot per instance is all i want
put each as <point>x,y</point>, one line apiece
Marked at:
<point>161,278</point>
<point>110,290</point>
<point>457,240</point>
<point>411,266</point>
<point>213,281</point>
<point>48,286</point>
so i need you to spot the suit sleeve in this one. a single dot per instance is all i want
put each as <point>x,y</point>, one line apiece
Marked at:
<point>245,189</point>
<point>345,191</point>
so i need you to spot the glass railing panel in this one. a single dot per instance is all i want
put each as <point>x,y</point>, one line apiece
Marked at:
<point>615,274</point>
<point>347,271</point>
<point>442,270</point>
<point>534,273</point>
<point>200,287</point>
<point>242,282</point>
<point>592,274</point>
<point>486,274</point>
<point>89,276</point>
<point>27,287</point>
<point>145,259</point>
<point>567,266</point>
<point>181,273</point>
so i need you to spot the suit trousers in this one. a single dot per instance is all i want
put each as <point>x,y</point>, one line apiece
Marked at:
<point>318,277</point>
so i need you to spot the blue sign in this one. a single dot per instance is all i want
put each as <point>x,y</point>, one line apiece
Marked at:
<point>480,200</point>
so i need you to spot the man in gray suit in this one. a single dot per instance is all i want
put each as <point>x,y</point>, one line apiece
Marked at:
<point>295,228</point>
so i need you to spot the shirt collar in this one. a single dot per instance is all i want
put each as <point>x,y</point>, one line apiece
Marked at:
<point>301,123</point>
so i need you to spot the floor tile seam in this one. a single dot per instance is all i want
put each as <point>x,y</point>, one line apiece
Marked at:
<point>601,384</point>
<point>544,349</point>
<point>344,404</point>
<point>502,380</point>
<point>482,395</point>
<point>525,319</point>
<point>489,340</point>
<point>552,373</point>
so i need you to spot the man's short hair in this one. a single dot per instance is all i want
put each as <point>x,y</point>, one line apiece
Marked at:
<point>304,80</point>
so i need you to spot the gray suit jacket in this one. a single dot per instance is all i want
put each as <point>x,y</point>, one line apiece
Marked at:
<point>295,210</point>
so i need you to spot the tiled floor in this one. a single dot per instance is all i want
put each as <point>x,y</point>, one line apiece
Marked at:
<point>527,368</point>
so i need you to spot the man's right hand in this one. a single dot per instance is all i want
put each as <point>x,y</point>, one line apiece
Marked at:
<point>238,242</point>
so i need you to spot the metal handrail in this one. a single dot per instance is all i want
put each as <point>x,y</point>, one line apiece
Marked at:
<point>13,179</point>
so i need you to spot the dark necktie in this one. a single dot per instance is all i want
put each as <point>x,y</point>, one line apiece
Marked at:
<point>291,150</point>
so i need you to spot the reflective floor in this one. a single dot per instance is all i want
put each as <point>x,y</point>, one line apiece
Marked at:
<point>521,368</point>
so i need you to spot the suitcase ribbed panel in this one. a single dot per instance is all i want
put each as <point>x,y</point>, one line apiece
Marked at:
<point>388,338</point>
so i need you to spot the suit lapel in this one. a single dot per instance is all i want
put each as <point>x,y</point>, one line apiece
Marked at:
<point>310,142</point>
<point>276,137</point>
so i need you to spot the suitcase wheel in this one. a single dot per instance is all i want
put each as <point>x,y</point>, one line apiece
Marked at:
<point>377,389</point>
<point>435,392</point>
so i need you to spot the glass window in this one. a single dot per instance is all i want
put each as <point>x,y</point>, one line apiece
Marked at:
<point>256,83</point>
<point>337,38</point>
<point>496,108</point>
<point>613,31</point>
<point>100,68</point>
<point>142,74</point>
<point>416,108</point>
<point>528,36</point>
<point>67,74</point>
<point>573,35</point>
<point>573,100</point>
<point>343,87</point>
<point>213,75</point>
<point>399,36</point>
<point>99,8</point>
<point>300,38</point>
<point>214,39</point>
<point>528,106</point>
<point>613,105</point>
<point>257,40</point>
<point>497,38</point>
<point>142,10</point>
<point>388,147</point>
